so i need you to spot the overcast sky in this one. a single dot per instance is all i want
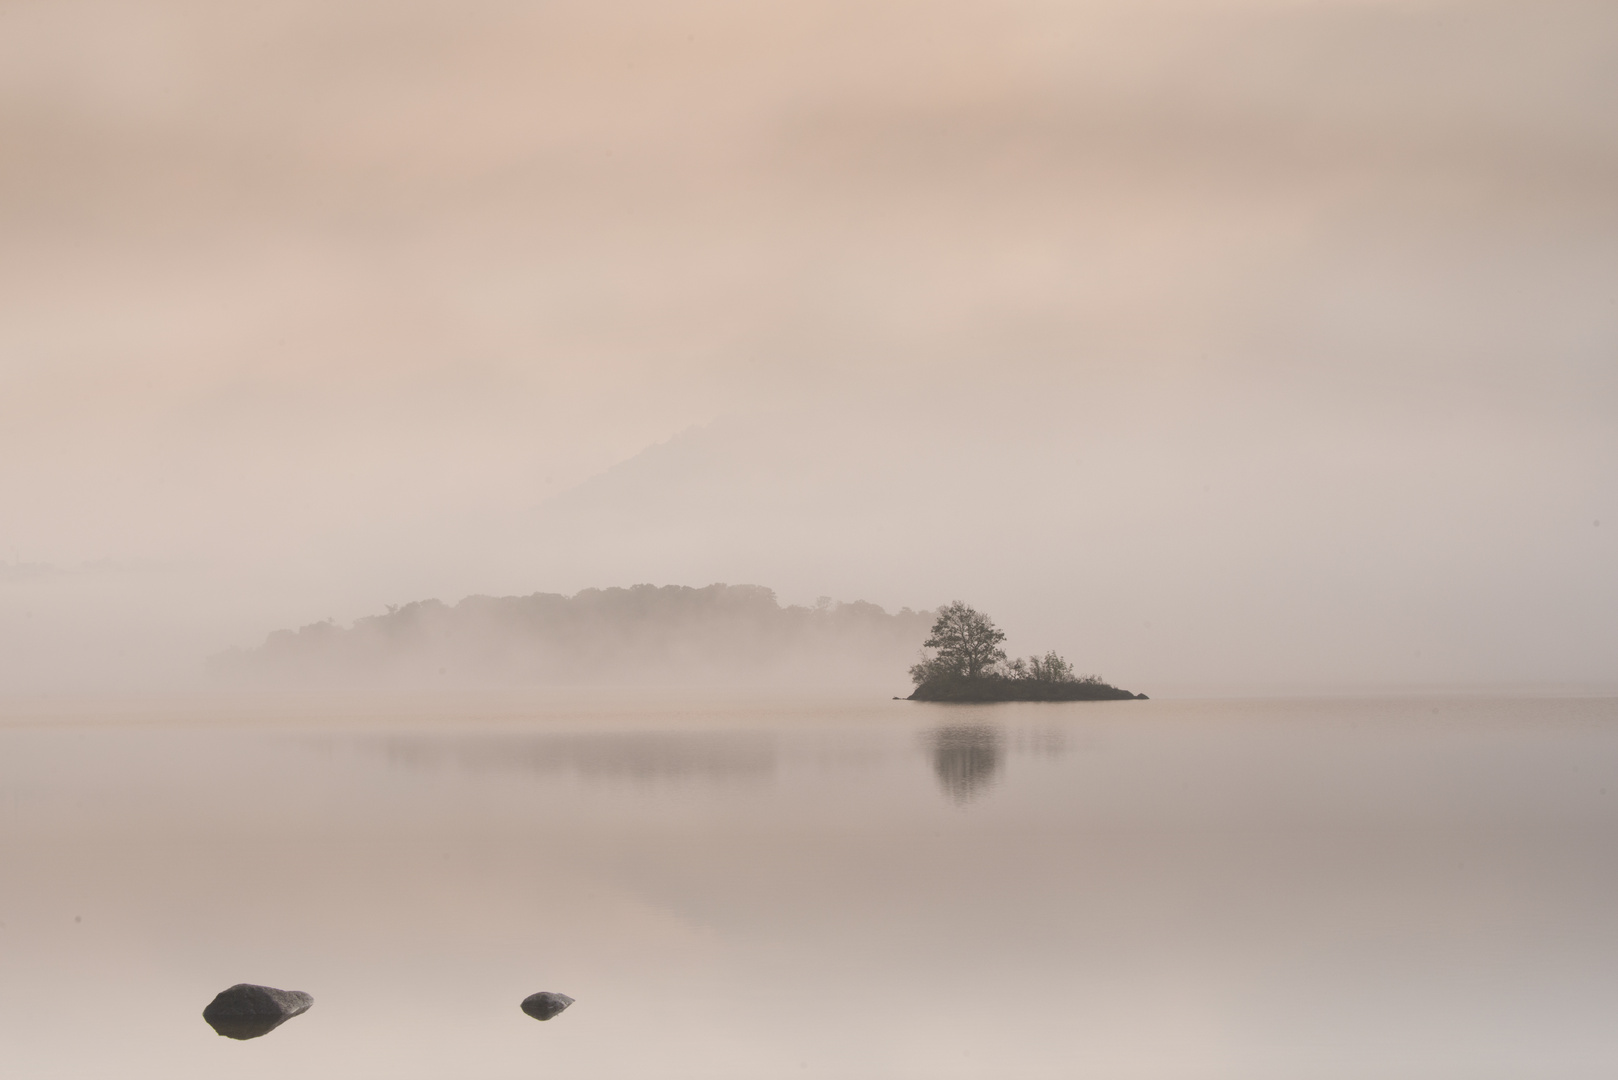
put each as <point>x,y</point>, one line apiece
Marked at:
<point>1268,342</point>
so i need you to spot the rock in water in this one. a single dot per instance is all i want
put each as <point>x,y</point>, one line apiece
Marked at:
<point>246,1011</point>
<point>544,1005</point>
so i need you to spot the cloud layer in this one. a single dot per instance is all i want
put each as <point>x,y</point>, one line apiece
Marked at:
<point>1263,341</point>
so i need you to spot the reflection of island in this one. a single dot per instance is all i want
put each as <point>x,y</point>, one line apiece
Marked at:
<point>966,758</point>
<point>634,756</point>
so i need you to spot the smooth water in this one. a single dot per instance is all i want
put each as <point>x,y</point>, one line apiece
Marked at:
<point>1396,888</point>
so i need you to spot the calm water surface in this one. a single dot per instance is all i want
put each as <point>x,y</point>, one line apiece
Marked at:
<point>1394,888</point>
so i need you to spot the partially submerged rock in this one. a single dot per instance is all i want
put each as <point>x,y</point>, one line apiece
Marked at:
<point>246,1011</point>
<point>544,1005</point>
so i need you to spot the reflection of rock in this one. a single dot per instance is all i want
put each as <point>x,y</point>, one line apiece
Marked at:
<point>246,1011</point>
<point>544,1005</point>
<point>966,757</point>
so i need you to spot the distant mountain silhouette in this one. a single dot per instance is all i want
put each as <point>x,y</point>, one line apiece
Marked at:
<point>784,499</point>
<point>718,634</point>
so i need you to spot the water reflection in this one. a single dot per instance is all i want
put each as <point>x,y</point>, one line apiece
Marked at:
<point>1276,883</point>
<point>640,757</point>
<point>966,758</point>
<point>1040,742</point>
<point>244,1028</point>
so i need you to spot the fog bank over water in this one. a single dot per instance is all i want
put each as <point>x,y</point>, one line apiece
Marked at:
<point>1239,341</point>
<point>722,634</point>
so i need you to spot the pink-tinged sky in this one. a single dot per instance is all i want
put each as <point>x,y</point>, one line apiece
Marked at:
<point>1246,342</point>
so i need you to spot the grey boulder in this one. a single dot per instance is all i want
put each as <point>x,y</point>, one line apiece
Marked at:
<point>246,1011</point>
<point>544,1005</point>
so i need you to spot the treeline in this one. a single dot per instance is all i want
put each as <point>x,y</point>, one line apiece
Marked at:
<point>643,634</point>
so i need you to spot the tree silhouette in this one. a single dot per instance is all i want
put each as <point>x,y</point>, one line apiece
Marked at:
<point>967,641</point>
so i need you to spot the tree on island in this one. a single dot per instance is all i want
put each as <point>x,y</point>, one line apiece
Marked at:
<point>970,665</point>
<point>967,641</point>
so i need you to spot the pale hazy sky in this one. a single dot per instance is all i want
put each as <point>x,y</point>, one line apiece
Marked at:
<point>1259,341</point>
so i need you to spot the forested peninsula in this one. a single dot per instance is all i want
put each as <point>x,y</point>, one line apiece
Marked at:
<point>673,634</point>
<point>966,664</point>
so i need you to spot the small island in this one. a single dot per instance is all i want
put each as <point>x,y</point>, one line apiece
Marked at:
<point>968,665</point>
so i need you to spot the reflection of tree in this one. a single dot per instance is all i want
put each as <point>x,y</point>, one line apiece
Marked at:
<point>966,757</point>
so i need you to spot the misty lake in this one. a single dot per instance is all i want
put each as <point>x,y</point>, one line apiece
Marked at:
<point>1421,887</point>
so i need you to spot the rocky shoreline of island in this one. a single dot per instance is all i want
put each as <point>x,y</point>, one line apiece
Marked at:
<point>1000,688</point>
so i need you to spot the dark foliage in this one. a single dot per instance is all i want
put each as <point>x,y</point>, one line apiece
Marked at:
<point>967,641</point>
<point>969,665</point>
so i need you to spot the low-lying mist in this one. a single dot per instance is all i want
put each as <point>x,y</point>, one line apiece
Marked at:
<point>721,634</point>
